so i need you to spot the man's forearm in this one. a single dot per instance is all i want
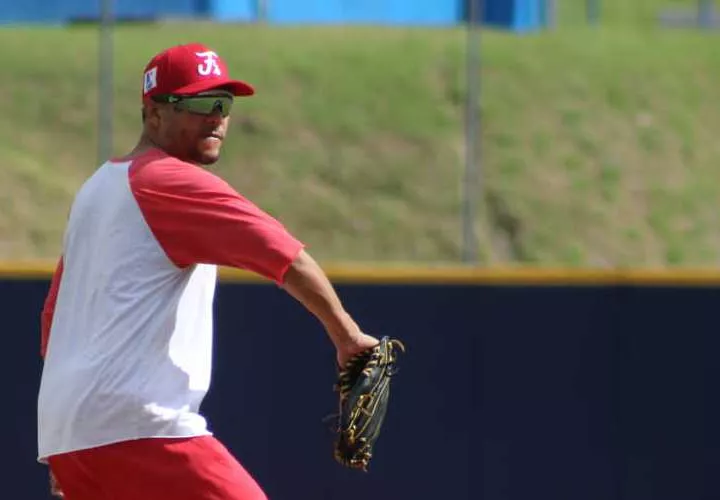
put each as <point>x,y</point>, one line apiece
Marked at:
<point>308,284</point>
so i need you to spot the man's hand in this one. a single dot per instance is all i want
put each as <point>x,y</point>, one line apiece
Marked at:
<point>356,345</point>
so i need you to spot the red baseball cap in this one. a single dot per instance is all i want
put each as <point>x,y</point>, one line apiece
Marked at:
<point>189,69</point>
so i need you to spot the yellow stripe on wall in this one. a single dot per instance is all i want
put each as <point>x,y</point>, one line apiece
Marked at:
<point>459,275</point>
<point>26,269</point>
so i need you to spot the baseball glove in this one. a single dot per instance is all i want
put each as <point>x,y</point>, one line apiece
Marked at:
<point>364,387</point>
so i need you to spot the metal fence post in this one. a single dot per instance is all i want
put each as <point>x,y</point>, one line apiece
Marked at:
<point>550,14</point>
<point>471,180</point>
<point>592,11</point>
<point>262,11</point>
<point>105,77</point>
<point>706,14</point>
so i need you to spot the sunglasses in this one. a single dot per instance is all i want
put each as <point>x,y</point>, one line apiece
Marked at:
<point>199,104</point>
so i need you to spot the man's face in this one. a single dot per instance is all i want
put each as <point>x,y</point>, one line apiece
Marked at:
<point>193,130</point>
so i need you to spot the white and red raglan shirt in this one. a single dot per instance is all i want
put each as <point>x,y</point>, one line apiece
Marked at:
<point>127,323</point>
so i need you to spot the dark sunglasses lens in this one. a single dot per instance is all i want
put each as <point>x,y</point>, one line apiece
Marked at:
<point>206,105</point>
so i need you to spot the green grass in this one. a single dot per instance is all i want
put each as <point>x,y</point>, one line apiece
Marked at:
<point>600,146</point>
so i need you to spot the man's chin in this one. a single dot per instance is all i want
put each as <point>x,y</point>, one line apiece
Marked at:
<point>208,162</point>
<point>209,151</point>
<point>208,159</point>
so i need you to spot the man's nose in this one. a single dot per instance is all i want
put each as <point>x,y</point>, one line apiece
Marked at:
<point>214,117</point>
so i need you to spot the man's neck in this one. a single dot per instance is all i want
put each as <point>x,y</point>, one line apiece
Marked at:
<point>144,145</point>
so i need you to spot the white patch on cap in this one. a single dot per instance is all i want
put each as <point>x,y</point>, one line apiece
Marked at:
<point>150,80</point>
<point>209,65</point>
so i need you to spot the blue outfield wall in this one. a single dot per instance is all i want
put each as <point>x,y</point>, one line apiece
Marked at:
<point>63,11</point>
<point>390,12</point>
<point>516,389</point>
<point>516,15</point>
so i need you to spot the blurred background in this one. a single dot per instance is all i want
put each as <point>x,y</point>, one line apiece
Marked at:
<point>574,133</point>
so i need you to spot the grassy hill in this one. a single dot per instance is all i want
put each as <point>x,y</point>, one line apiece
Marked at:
<point>599,146</point>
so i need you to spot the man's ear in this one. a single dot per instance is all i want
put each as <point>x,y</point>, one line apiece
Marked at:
<point>151,114</point>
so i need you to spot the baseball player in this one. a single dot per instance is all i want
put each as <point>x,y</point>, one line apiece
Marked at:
<point>127,322</point>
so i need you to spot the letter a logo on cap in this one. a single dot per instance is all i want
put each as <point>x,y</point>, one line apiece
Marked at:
<point>150,80</point>
<point>209,64</point>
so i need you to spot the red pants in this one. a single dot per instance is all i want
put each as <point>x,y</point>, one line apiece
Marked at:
<point>198,468</point>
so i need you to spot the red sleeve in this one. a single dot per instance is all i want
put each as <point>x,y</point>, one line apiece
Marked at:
<point>48,311</point>
<point>199,218</point>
